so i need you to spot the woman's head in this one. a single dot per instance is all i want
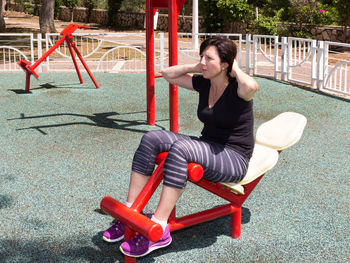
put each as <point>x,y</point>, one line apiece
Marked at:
<point>225,48</point>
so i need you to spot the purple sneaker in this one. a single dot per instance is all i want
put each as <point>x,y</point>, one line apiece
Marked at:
<point>140,246</point>
<point>115,233</point>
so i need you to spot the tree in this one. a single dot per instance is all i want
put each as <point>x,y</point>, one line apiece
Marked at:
<point>89,5</point>
<point>343,6</point>
<point>46,17</point>
<point>2,20</point>
<point>113,7</point>
<point>219,13</point>
<point>234,10</point>
<point>133,6</point>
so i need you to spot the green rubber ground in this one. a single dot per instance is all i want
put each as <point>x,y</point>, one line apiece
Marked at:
<point>65,146</point>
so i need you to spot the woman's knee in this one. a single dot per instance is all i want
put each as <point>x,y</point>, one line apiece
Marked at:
<point>149,137</point>
<point>180,149</point>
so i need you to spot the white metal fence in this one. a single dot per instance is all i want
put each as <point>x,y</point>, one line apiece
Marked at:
<point>319,64</point>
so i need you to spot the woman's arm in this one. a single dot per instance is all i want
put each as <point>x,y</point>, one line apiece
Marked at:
<point>179,75</point>
<point>247,86</point>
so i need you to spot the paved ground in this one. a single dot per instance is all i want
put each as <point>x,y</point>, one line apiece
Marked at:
<point>65,146</point>
<point>19,22</point>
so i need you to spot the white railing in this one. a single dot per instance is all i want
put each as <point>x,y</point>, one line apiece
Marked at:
<point>13,48</point>
<point>265,56</point>
<point>334,68</point>
<point>320,64</point>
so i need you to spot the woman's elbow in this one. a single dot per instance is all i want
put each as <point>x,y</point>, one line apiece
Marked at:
<point>254,86</point>
<point>247,93</point>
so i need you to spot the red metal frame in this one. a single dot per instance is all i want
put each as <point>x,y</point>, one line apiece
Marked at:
<point>135,222</point>
<point>66,36</point>
<point>174,7</point>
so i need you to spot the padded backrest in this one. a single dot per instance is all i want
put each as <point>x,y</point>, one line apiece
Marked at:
<point>272,136</point>
<point>282,131</point>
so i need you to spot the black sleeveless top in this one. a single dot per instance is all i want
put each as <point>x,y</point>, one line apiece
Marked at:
<point>230,121</point>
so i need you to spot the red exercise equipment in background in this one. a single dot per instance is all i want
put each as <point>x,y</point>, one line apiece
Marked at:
<point>68,37</point>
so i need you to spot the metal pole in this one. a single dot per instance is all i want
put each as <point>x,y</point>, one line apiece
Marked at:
<point>150,62</point>
<point>195,24</point>
<point>173,95</point>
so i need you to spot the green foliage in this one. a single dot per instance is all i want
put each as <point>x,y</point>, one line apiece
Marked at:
<point>267,25</point>
<point>234,10</point>
<point>217,13</point>
<point>70,3</point>
<point>343,7</point>
<point>133,6</point>
<point>212,17</point>
<point>324,15</point>
<point>113,7</point>
<point>58,3</point>
<point>89,5</point>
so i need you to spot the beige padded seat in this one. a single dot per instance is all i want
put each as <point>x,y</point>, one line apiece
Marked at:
<point>272,136</point>
<point>263,160</point>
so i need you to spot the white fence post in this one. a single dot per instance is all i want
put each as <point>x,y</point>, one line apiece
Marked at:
<point>284,54</point>
<point>248,42</point>
<point>40,69</point>
<point>325,65</point>
<point>290,54</point>
<point>255,39</point>
<point>161,47</point>
<point>32,48</point>
<point>195,31</point>
<point>275,53</point>
<point>313,63</point>
<point>320,65</point>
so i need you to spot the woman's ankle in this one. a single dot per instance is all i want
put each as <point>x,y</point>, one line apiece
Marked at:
<point>163,223</point>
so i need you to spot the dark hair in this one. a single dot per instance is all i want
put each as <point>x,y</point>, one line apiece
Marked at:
<point>226,48</point>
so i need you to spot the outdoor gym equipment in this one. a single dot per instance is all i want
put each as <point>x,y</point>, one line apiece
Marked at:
<point>173,7</point>
<point>271,138</point>
<point>68,37</point>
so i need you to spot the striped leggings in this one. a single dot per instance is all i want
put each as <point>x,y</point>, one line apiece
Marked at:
<point>220,164</point>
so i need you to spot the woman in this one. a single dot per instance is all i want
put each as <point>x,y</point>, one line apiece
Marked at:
<point>224,149</point>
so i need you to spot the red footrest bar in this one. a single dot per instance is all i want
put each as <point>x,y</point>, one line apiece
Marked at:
<point>132,218</point>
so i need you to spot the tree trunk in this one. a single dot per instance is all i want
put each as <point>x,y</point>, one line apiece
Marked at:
<point>346,40</point>
<point>2,20</point>
<point>46,17</point>
<point>2,5</point>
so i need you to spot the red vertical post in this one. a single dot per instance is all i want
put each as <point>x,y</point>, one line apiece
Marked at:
<point>28,74</point>
<point>129,234</point>
<point>173,96</point>
<point>74,60</point>
<point>150,62</point>
<point>236,218</point>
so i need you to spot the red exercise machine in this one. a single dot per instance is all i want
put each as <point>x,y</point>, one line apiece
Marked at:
<point>134,221</point>
<point>68,37</point>
<point>272,137</point>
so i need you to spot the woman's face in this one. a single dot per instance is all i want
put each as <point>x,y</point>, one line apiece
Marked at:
<point>211,63</point>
